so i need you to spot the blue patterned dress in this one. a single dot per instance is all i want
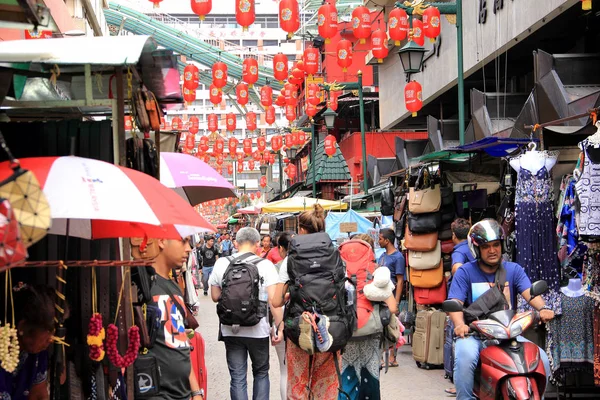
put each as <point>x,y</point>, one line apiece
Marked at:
<point>535,233</point>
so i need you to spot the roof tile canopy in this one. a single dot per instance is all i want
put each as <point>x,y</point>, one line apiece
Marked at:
<point>329,169</point>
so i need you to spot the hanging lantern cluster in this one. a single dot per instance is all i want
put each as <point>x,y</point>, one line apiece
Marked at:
<point>330,145</point>
<point>289,16</point>
<point>361,24</point>
<point>201,8</point>
<point>244,13</point>
<point>344,54</point>
<point>398,25</point>
<point>327,23</point>
<point>379,45</point>
<point>250,71</point>
<point>413,97</point>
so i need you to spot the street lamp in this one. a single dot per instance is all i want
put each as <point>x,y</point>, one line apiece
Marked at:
<point>329,117</point>
<point>263,169</point>
<point>291,153</point>
<point>411,56</point>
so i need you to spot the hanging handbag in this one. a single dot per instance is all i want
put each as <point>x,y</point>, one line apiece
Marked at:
<point>447,246</point>
<point>469,197</point>
<point>387,201</point>
<point>420,242</point>
<point>29,204</point>
<point>447,213</point>
<point>147,377</point>
<point>447,195</point>
<point>153,110</point>
<point>140,114</point>
<point>425,259</point>
<point>144,248</point>
<point>429,296</point>
<point>424,223</point>
<point>425,196</point>
<point>445,232</point>
<point>426,278</point>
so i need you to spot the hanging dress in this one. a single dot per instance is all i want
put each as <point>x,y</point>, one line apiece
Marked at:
<point>535,233</point>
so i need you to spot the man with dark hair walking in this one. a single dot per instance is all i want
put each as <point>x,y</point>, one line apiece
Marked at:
<point>210,254</point>
<point>461,254</point>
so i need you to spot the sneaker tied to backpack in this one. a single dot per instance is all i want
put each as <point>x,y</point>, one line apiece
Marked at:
<point>323,337</point>
<point>306,333</point>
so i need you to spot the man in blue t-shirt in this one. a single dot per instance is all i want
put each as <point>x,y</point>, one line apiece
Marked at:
<point>473,279</point>
<point>461,253</point>
<point>392,259</point>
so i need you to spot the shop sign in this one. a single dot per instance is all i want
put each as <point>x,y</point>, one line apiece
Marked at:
<point>304,163</point>
<point>319,80</point>
<point>348,227</point>
<point>483,9</point>
<point>39,34</point>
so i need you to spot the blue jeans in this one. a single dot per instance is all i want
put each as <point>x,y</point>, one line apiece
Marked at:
<point>237,350</point>
<point>206,271</point>
<point>466,357</point>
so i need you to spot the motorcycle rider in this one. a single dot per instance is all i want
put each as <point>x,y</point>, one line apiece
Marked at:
<point>471,281</point>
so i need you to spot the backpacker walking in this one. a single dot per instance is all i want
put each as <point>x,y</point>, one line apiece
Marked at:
<point>319,318</point>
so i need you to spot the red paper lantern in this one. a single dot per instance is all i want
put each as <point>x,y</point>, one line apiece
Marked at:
<point>280,67</point>
<point>219,169</point>
<point>333,101</point>
<point>241,92</point>
<point>155,3</point>
<point>251,165</point>
<point>194,124</point>
<point>327,22</point>
<point>230,169</point>
<point>219,158</point>
<point>431,23</point>
<point>311,61</point>
<point>280,100</point>
<point>313,95</point>
<point>289,140</point>
<point>290,113</point>
<point>190,141</point>
<point>251,121</point>
<point>276,143</point>
<point>301,138</point>
<point>207,158</point>
<point>250,71</point>
<point>398,25</point>
<point>252,196</point>
<point>232,144</point>
<point>417,32</point>
<point>219,74</point>
<point>230,122</point>
<point>190,76</point>
<point>261,143</point>
<point>218,146</point>
<point>344,54</point>
<point>295,81</point>
<point>270,115</point>
<point>361,23</point>
<point>291,171</point>
<point>247,146</point>
<point>189,95</point>
<point>203,146</point>
<point>289,16</point>
<point>413,97</point>
<point>266,96</point>
<point>240,157</point>
<point>310,110</point>
<point>263,181</point>
<point>330,145</point>
<point>244,13</point>
<point>256,155</point>
<point>176,123</point>
<point>240,167</point>
<point>379,45</point>
<point>213,123</point>
<point>291,94</point>
<point>201,8</point>
<point>128,123</point>
<point>300,65</point>
<point>298,74</point>
<point>215,95</point>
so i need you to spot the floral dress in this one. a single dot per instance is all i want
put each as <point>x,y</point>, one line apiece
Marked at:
<point>571,250</point>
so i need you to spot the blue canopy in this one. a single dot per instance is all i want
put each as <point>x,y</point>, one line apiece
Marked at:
<point>334,219</point>
<point>494,146</point>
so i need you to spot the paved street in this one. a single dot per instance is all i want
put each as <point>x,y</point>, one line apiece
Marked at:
<point>406,381</point>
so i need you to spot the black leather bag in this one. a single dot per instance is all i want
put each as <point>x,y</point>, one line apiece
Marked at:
<point>146,378</point>
<point>447,195</point>
<point>142,156</point>
<point>387,201</point>
<point>448,213</point>
<point>424,223</point>
<point>489,302</point>
<point>445,232</point>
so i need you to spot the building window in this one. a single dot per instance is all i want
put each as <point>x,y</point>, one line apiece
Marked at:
<point>249,43</point>
<point>268,43</point>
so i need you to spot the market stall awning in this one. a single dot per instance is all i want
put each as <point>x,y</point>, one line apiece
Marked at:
<point>298,204</point>
<point>494,146</point>
<point>444,155</point>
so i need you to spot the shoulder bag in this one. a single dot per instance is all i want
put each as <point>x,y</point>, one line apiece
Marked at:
<point>489,302</point>
<point>427,278</point>
<point>422,198</point>
<point>425,259</point>
<point>424,223</point>
<point>420,242</point>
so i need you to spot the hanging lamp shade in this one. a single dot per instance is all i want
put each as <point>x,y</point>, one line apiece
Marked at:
<point>244,13</point>
<point>290,113</point>
<point>398,25</point>
<point>155,3</point>
<point>232,145</point>
<point>213,122</point>
<point>218,146</point>
<point>230,169</point>
<point>291,94</point>
<point>215,95</point>
<point>203,145</point>
<point>247,146</point>
<point>333,101</point>
<point>190,141</point>
<point>311,61</point>
<point>261,143</point>
<point>291,171</point>
<point>313,94</point>
<point>189,95</point>
<point>176,123</point>
<point>361,24</point>
<point>194,125</point>
<point>280,100</point>
<point>250,71</point>
<point>230,122</point>
<point>330,145</point>
<point>417,32</point>
<point>276,143</point>
<point>251,121</point>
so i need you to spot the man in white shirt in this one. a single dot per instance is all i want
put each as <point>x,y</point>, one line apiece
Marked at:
<point>248,340</point>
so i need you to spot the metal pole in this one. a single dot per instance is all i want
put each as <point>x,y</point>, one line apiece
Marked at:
<point>314,159</point>
<point>280,175</point>
<point>362,132</point>
<point>461,78</point>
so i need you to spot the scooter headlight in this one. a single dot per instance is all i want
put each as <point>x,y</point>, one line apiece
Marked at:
<point>492,330</point>
<point>518,326</point>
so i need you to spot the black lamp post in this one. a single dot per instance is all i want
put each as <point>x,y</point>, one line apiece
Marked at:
<point>411,56</point>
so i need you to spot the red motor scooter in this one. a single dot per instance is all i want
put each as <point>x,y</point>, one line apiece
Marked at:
<point>507,369</point>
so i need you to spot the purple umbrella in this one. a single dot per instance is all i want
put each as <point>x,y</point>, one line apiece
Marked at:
<point>193,179</point>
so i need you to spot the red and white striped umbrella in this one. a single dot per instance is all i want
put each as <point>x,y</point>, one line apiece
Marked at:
<point>102,200</point>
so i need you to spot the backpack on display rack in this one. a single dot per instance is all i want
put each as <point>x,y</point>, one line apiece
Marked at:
<point>317,279</point>
<point>240,304</point>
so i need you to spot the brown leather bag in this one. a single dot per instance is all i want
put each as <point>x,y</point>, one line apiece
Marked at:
<point>447,246</point>
<point>144,248</point>
<point>425,259</point>
<point>420,242</point>
<point>139,111</point>
<point>427,278</point>
<point>152,110</point>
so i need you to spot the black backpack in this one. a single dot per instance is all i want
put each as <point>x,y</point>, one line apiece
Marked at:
<point>317,283</point>
<point>239,304</point>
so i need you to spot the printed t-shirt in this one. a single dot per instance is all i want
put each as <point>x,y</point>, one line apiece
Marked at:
<point>209,255</point>
<point>470,282</point>
<point>395,263</point>
<point>172,347</point>
<point>32,370</point>
<point>268,274</point>
<point>462,254</point>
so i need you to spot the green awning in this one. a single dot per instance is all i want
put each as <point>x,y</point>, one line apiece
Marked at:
<point>444,155</point>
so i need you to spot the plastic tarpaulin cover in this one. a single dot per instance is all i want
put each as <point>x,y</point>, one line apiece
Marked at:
<point>334,219</point>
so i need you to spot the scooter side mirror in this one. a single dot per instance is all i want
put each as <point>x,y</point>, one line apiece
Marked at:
<point>538,288</point>
<point>452,306</point>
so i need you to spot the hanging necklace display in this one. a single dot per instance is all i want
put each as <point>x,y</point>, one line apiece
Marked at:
<point>9,340</point>
<point>112,338</point>
<point>96,335</point>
